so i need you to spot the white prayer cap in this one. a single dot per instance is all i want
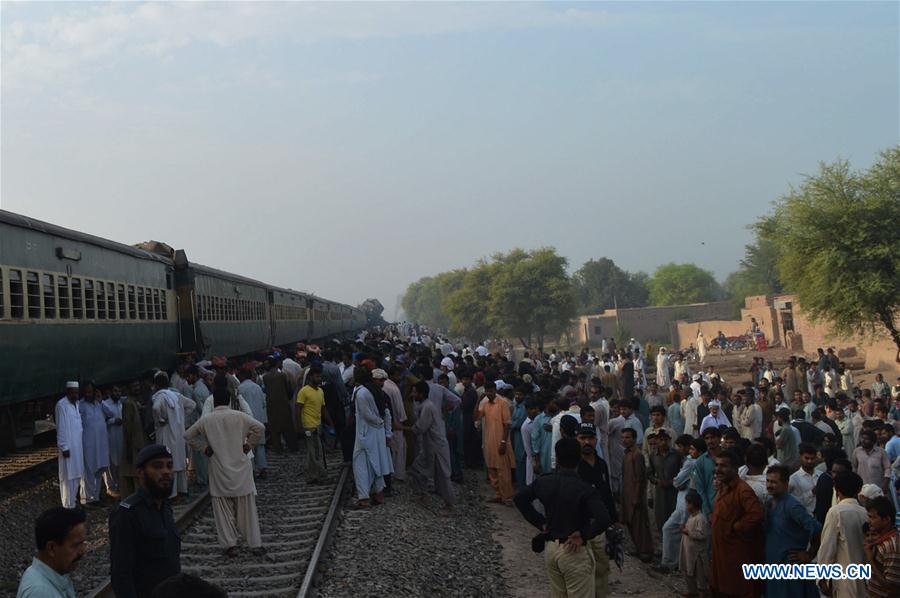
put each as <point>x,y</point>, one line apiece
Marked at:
<point>662,349</point>
<point>447,362</point>
<point>379,374</point>
<point>871,491</point>
<point>72,384</point>
<point>695,377</point>
<point>715,404</point>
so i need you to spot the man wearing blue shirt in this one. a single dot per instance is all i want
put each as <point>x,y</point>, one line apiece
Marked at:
<point>60,535</point>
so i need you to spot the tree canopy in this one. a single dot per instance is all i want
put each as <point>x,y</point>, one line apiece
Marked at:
<point>838,247</point>
<point>518,294</point>
<point>601,284</point>
<point>674,284</point>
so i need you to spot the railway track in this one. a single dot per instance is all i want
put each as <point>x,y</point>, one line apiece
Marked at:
<point>296,521</point>
<point>20,466</point>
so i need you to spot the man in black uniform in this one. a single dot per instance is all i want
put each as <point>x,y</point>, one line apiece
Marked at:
<point>575,515</point>
<point>145,547</point>
<point>593,470</point>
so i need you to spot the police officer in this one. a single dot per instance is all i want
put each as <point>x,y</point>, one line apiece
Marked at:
<point>145,547</point>
<point>575,515</point>
<point>593,470</point>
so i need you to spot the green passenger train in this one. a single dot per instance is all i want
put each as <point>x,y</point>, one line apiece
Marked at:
<point>77,306</point>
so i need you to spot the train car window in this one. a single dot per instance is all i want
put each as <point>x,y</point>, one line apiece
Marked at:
<point>34,295</point>
<point>77,299</point>
<point>89,298</point>
<point>101,300</point>
<point>164,304</point>
<point>232,308</point>
<point>157,304</point>
<point>49,297</point>
<point>141,304</point>
<point>111,300</point>
<point>169,281</point>
<point>2,296</point>
<point>132,303</point>
<point>62,294</point>
<point>123,304</point>
<point>217,308</point>
<point>16,295</point>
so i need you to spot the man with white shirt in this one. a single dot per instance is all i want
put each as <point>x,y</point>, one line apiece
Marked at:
<point>69,441</point>
<point>601,417</point>
<point>802,483</point>
<point>696,386</point>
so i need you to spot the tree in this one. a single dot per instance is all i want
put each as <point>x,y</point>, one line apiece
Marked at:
<point>674,284</point>
<point>423,303</point>
<point>468,306</point>
<point>531,295</point>
<point>600,284</point>
<point>839,248</point>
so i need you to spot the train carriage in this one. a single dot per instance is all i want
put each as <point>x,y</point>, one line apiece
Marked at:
<point>220,313</point>
<point>77,306</point>
<point>291,316</point>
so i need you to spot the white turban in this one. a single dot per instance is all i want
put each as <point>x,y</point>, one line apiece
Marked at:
<point>72,384</point>
<point>447,363</point>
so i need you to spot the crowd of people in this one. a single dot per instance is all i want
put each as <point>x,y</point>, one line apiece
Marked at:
<point>589,447</point>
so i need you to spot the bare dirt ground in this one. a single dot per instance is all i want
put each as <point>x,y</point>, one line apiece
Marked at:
<point>526,577</point>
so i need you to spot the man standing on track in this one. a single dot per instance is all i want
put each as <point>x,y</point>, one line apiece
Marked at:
<point>227,435</point>
<point>133,439</point>
<point>400,423</point>
<point>169,411</point>
<point>69,433</point>
<point>311,402</point>
<point>95,444</point>
<point>433,458</point>
<point>278,397</point>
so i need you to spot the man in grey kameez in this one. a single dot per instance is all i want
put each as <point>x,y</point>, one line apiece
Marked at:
<point>371,460</point>
<point>96,446</point>
<point>112,411</point>
<point>256,399</point>
<point>434,456</point>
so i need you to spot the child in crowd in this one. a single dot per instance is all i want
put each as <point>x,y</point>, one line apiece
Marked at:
<point>694,557</point>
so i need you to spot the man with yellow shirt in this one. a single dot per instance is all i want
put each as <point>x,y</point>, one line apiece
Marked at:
<point>311,403</point>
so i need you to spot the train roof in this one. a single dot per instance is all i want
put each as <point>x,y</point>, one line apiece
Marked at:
<point>20,221</point>
<point>244,280</point>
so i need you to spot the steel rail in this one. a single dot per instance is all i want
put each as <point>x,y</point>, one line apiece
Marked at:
<point>324,536</point>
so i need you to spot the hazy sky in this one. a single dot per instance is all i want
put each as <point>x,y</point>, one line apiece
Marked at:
<point>348,149</point>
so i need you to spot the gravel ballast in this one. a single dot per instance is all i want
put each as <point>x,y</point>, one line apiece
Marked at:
<point>404,548</point>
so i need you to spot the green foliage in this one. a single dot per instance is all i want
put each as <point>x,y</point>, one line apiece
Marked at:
<point>467,307</point>
<point>531,294</point>
<point>838,245</point>
<point>600,284</point>
<point>517,294</point>
<point>674,284</point>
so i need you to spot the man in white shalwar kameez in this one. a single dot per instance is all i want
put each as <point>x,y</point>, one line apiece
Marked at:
<point>227,436</point>
<point>112,411</point>
<point>95,444</point>
<point>662,369</point>
<point>169,411</point>
<point>370,459</point>
<point>701,346</point>
<point>69,434</point>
